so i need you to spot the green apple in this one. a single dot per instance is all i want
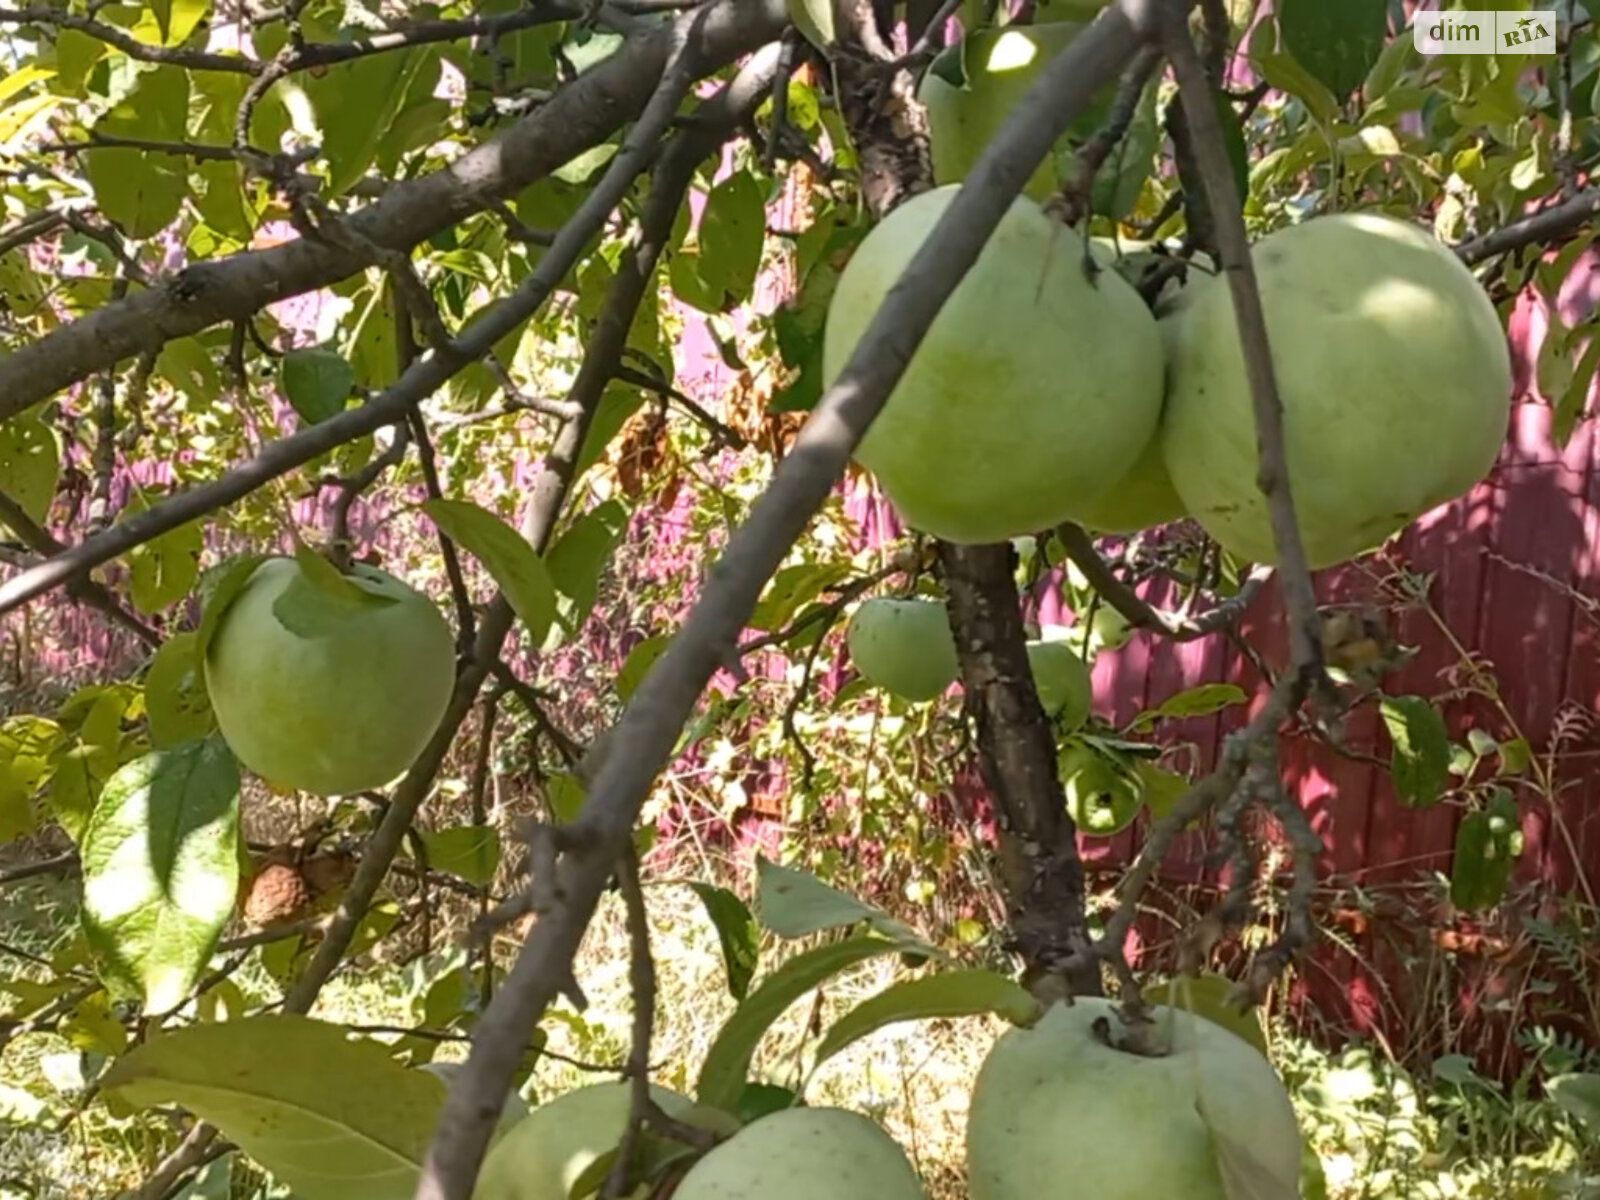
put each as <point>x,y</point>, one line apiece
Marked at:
<point>545,1153</point>
<point>1062,680</point>
<point>1100,799</point>
<point>328,694</point>
<point>1057,1111</point>
<point>1035,389</point>
<point>1394,374</point>
<point>903,645</point>
<point>805,1154</point>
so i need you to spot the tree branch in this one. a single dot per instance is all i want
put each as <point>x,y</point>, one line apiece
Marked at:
<point>1081,549</point>
<point>582,114</point>
<point>1553,224</point>
<point>653,720</point>
<point>1233,247</point>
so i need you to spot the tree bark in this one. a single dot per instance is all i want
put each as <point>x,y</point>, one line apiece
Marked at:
<point>1039,862</point>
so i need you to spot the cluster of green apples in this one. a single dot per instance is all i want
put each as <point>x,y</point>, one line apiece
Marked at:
<point>1058,1108</point>
<point>1048,390</point>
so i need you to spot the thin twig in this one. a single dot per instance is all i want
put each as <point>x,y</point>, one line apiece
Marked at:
<point>1175,627</point>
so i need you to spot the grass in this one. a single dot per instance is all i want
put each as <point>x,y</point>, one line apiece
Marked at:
<point>1377,1131</point>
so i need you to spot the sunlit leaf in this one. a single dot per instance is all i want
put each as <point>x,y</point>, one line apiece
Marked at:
<point>961,993</point>
<point>161,869</point>
<point>332,1117</point>
<point>175,699</point>
<point>1420,762</point>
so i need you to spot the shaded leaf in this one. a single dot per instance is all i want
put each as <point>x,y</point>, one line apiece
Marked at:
<point>470,852</point>
<point>175,699</point>
<point>577,561</point>
<point>727,1064</point>
<point>1420,761</point>
<point>733,231</point>
<point>814,19</point>
<point>737,933</point>
<point>1488,843</point>
<point>333,1118</point>
<point>30,464</point>
<point>790,590</point>
<point>162,570</point>
<point>161,869</point>
<point>1578,1094</point>
<point>963,993</point>
<point>28,750</point>
<point>506,555</point>
<point>218,590</point>
<point>1208,996</point>
<point>139,190</point>
<point>795,903</point>
<point>316,381</point>
<point>638,663</point>
<point>1337,41</point>
<point>355,103</point>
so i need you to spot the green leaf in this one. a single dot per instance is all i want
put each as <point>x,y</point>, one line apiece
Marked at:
<point>737,933</point>
<point>616,406</point>
<point>1284,72</point>
<point>161,571</point>
<point>1199,701</point>
<point>638,663</point>
<point>963,993</point>
<point>1159,789</point>
<point>814,19</point>
<point>30,464</point>
<point>218,591</point>
<point>355,103</point>
<point>576,561</point>
<point>733,230</point>
<point>1420,762</point>
<point>727,1064</point>
<point>28,749</point>
<point>470,852</point>
<point>1337,41</point>
<point>1488,843</point>
<point>143,191</point>
<point>171,22</point>
<point>161,870</point>
<point>317,382</point>
<point>1573,401</point>
<point>506,555</point>
<point>331,1117</point>
<point>175,700</point>
<point>1209,996</point>
<point>1578,1094</point>
<point>1515,756</point>
<point>790,590</point>
<point>795,903</point>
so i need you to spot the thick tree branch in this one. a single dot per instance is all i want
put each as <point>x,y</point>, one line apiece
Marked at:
<point>650,726</point>
<point>580,115</point>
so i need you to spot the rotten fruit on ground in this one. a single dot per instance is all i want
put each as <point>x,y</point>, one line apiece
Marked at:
<point>1061,1102</point>
<point>802,1153</point>
<point>903,645</point>
<point>1395,378</point>
<point>1034,391</point>
<point>327,692</point>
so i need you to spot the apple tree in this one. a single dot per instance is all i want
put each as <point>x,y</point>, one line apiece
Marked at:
<point>322,321</point>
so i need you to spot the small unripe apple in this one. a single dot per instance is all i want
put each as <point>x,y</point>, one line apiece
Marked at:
<point>903,645</point>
